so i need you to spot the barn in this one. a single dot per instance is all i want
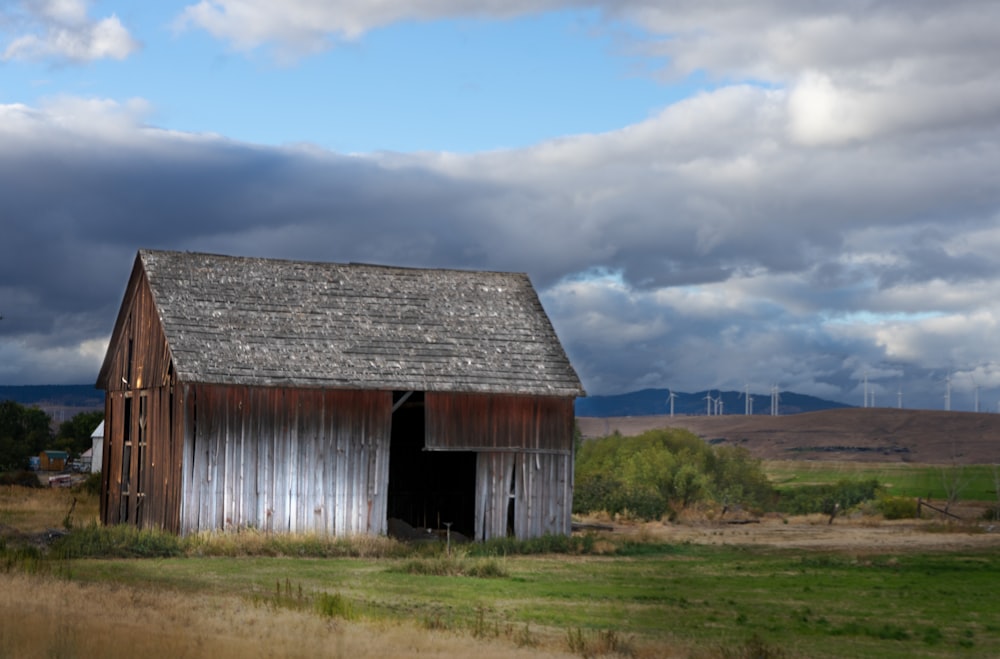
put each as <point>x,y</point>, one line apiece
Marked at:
<point>329,398</point>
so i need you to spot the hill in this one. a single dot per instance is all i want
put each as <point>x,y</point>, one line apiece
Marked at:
<point>656,401</point>
<point>59,401</point>
<point>861,434</point>
<point>68,395</point>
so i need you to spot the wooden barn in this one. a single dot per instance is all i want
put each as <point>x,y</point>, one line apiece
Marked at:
<point>319,397</point>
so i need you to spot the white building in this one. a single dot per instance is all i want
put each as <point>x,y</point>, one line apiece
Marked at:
<point>97,449</point>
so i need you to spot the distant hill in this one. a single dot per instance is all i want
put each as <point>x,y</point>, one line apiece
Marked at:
<point>655,401</point>
<point>54,395</point>
<point>848,434</point>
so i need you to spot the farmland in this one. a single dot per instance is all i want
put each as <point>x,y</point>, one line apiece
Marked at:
<point>697,588</point>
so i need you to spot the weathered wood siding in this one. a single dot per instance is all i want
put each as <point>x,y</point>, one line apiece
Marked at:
<point>525,457</point>
<point>285,460</point>
<point>141,465</point>
<point>539,486</point>
<point>483,422</point>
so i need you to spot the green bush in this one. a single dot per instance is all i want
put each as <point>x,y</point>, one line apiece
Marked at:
<point>21,478</point>
<point>842,495</point>
<point>92,484</point>
<point>896,507</point>
<point>660,471</point>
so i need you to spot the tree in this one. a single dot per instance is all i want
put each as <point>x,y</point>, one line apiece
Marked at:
<point>24,431</point>
<point>74,435</point>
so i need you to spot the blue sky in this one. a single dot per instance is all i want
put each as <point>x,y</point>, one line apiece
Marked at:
<point>707,195</point>
<point>461,84</point>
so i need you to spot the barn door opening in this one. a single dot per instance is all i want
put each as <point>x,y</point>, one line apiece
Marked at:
<point>427,489</point>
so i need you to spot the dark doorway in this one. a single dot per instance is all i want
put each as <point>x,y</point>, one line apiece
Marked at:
<point>428,488</point>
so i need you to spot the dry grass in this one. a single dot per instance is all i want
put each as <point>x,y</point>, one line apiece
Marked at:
<point>51,618</point>
<point>35,510</point>
<point>251,542</point>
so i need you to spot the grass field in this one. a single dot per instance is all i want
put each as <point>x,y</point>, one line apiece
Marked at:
<point>645,598</point>
<point>673,597</point>
<point>977,482</point>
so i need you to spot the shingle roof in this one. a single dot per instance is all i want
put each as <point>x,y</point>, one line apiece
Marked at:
<point>236,320</point>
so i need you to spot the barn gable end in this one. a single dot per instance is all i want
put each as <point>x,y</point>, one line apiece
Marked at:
<point>326,398</point>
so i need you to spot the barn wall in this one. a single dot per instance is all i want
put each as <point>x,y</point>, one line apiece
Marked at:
<point>141,464</point>
<point>538,486</point>
<point>285,460</point>
<point>525,458</point>
<point>483,422</point>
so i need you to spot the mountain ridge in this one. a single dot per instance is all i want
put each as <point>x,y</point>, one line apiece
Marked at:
<point>652,402</point>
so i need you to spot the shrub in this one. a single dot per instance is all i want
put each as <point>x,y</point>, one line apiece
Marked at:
<point>92,484</point>
<point>896,507</point>
<point>660,471</point>
<point>842,495</point>
<point>21,478</point>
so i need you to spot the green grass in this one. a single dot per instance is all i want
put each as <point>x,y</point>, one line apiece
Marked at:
<point>899,479</point>
<point>813,604</point>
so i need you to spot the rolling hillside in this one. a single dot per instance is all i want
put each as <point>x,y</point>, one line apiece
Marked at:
<point>864,434</point>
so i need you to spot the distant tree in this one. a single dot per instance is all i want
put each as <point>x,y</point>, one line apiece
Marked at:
<point>73,435</point>
<point>664,470</point>
<point>954,480</point>
<point>24,431</point>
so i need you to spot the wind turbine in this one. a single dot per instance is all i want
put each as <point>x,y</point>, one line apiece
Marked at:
<point>975,386</point>
<point>748,402</point>
<point>899,397</point>
<point>708,403</point>
<point>670,399</point>
<point>866,389</point>
<point>775,397</point>
<point>947,392</point>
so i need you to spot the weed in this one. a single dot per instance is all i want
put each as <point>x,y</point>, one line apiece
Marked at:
<point>455,566</point>
<point>601,643</point>
<point>524,638</point>
<point>334,606</point>
<point>123,541</point>
<point>753,648</point>
<point>27,560</point>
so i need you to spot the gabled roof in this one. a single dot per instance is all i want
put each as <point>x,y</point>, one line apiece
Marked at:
<point>236,320</point>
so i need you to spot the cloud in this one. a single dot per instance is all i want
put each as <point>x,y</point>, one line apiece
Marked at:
<point>700,248</point>
<point>60,30</point>
<point>819,212</point>
<point>301,27</point>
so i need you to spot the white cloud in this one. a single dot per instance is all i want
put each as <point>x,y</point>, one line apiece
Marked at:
<point>307,26</point>
<point>61,30</point>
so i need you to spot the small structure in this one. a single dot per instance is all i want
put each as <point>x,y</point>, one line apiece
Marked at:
<point>97,447</point>
<point>319,397</point>
<point>52,460</point>
<point>85,463</point>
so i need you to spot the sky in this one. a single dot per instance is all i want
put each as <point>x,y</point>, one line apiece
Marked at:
<point>706,195</point>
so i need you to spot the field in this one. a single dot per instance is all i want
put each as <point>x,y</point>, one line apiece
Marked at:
<point>975,482</point>
<point>794,587</point>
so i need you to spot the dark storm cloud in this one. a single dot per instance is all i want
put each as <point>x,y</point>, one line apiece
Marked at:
<point>838,216</point>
